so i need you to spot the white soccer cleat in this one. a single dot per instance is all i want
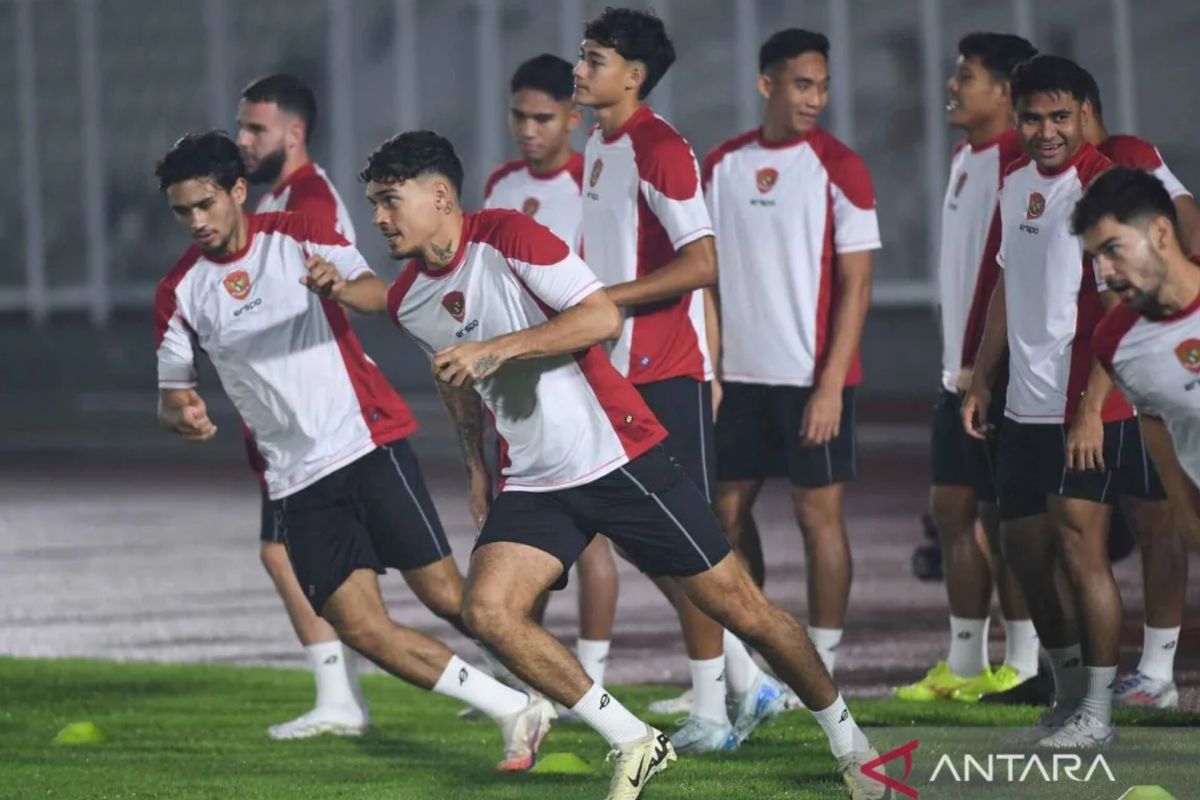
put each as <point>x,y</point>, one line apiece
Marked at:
<point>338,720</point>
<point>859,786</point>
<point>1142,691</point>
<point>523,732</point>
<point>683,704</point>
<point>1081,732</point>
<point>637,762</point>
<point>699,735</point>
<point>766,699</point>
<point>1049,723</point>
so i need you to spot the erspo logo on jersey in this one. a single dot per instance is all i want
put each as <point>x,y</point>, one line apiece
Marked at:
<point>530,206</point>
<point>456,305</point>
<point>1188,353</point>
<point>1037,204</point>
<point>237,283</point>
<point>597,168</point>
<point>765,179</point>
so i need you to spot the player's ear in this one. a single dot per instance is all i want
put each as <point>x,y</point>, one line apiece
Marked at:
<point>635,76</point>
<point>1160,231</point>
<point>239,191</point>
<point>296,132</point>
<point>764,85</point>
<point>1086,112</point>
<point>574,118</point>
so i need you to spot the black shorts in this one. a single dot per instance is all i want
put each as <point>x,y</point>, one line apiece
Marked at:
<point>758,436</point>
<point>269,529</point>
<point>649,508</point>
<point>684,407</point>
<point>373,513</point>
<point>959,460</point>
<point>1032,466</point>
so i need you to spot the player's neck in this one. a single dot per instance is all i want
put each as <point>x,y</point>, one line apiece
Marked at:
<point>552,163</point>
<point>990,131</point>
<point>1182,286</point>
<point>1097,134</point>
<point>239,237</point>
<point>294,163</point>
<point>612,118</point>
<point>439,252</point>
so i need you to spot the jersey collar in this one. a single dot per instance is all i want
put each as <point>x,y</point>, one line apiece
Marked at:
<point>643,113</point>
<point>767,144</point>
<point>251,230</point>
<point>307,170</point>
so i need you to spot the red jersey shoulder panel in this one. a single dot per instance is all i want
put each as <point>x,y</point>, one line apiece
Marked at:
<point>312,196</point>
<point>1119,320</point>
<point>575,168</point>
<point>517,236</point>
<point>1091,165</point>
<point>164,294</point>
<point>664,158</point>
<point>846,168</point>
<point>301,227</point>
<point>500,173</point>
<point>731,145</point>
<point>1131,151</point>
<point>1011,149</point>
<point>399,288</point>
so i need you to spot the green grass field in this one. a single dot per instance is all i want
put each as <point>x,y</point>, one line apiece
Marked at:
<point>199,732</point>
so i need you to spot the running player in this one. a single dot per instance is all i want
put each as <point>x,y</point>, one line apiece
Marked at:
<point>510,316</point>
<point>1164,555</point>
<point>1070,443</point>
<point>647,234</point>
<point>964,494</point>
<point>794,211</point>
<point>1150,343</point>
<point>545,183</point>
<point>276,116</point>
<point>345,487</point>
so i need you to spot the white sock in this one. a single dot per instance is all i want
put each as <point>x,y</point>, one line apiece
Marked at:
<point>826,640</point>
<point>840,727</point>
<point>593,655</point>
<point>1070,680</point>
<point>968,646</point>
<point>708,687</point>
<point>1098,700</point>
<point>607,717</point>
<point>479,690</point>
<point>1021,647</point>
<point>741,670</point>
<point>1158,653</point>
<point>328,662</point>
<point>353,663</point>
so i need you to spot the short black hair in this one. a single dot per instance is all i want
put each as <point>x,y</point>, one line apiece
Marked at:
<point>213,156</point>
<point>1125,194</point>
<point>999,53</point>
<point>788,44</point>
<point>289,93</point>
<point>545,73</point>
<point>1051,75</point>
<point>412,154</point>
<point>636,36</point>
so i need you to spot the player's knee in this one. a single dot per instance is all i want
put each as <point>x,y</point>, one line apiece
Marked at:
<point>1080,557</point>
<point>364,633</point>
<point>817,512</point>
<point>446,603</point>
<point>486,614</point>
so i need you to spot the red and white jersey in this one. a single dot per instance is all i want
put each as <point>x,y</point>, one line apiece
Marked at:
<point>967,268</point>
<point>783,212</point>
<point>642,203</point>
<point>562,421</point>
<point>1130,151</point>
<point>551,198</point>
<point>288,359</point>
<point>309,191</point>
<point>1051,296</point>
<point>1156,362</point>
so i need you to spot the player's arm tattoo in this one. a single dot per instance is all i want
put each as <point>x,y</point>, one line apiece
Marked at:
<point>484,366</point>
<point>466,410</point>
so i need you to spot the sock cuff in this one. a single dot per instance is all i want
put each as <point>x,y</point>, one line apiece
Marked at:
<point>455,673</point>
<point>707,663</point>
<point>321,651</point>
<point>590,699</point>
<point>833,712</point>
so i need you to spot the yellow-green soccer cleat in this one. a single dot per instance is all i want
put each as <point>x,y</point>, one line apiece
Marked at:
<point>990,681</point>
<point>938,683</point>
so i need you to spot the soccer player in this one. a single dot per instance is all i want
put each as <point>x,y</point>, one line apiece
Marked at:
<point>1150,343</point>
<point>647,234</point>
<point>511,317</point>
<point>276,117</point>
<point>794,211</point>
<point>964,493</point>
<point>545,183</point>
<point>345,486</point>
<point>1164,555</point>
<point>1069,443</point>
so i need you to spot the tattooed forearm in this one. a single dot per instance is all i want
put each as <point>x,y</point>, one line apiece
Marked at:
<point>484,365</point>
<point>467,412</point>
<point>442,255</point>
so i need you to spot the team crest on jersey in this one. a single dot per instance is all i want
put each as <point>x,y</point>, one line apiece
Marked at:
<point>237,283</point>
<point>456,304</point>
<point>959,184</point>
<point>1037,204</point>
<point>1188,353</point>
<point>597,168</point>
<point>765,179</point>
<point>530,206</point>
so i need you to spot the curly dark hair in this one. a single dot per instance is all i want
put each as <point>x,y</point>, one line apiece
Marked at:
<point>636,36</point>
<point>410,155</point>
<point>212,155</point>
<point>1126,195</point>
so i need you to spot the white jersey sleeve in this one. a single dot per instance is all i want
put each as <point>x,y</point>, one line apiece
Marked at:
<point>1173,185</point>
<point>174,341</point>
<point>322,239</point>
<point>545,264</point>
<point>669,180</point>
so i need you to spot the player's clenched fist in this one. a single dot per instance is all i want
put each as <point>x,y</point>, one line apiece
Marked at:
<point>323,277</point>
<point>184,411</point>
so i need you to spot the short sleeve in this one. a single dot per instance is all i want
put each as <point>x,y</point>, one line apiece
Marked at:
<point>1173,185</point>
<point>320,238</point>
<point>174,342</point>
<point>855,223</point>
<point>548,268</point>
<point>669,180</point>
